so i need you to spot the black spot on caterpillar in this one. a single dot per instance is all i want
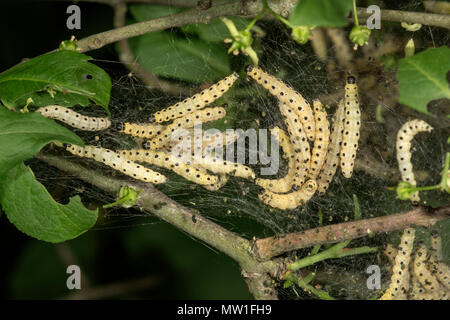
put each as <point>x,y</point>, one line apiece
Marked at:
<point>399,285</point>
<point>421,273</point>
<point>284,184</point>
<point>437,266</point>
<point>74,119</point>
<point>188,121</point>
<point>403,146</point>
<point>196,102</point>
<point>143,130</point>
<point>289,200</point>
<point>117,162</point>
<point>166,160</point>
<point>321,141</point>
<point>334,148</point>
<point>218,165</point>
<point>287,95</point>
<point>352,124</point>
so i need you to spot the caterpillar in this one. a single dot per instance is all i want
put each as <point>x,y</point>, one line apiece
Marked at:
<point>74,119</point>
<point>284,184</point>
<point>168,161</point>
<point>144,130</point>
<point>196,102</point>
<point>334,149</point>
<point>439,268</point>
<point>223,179</point>
<point>403,146</point>
<point>217,165</point>
<point>352,124</point>
<point>390,252</point>
<point>205,145</point>
<point>289,200</point>
<point>399,285</point>
<point>286,95</point>
<point>302,155</point>
<point>117,162</point>
<point>211,142</point>
<point>188,121</point>
<point>421,272</point>
<point>321,141</point>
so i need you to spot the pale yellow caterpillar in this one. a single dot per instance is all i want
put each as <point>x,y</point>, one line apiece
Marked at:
<point>352,124</point>
<point>188,121</point>
<point>427,280</point>
<point>403,146</point>
<point>196,102</point>
<point>223,179</point>
<point>74,119</point>
<point>334,149</point>
<point>284,184</point>
<point>399,285</point>
<point>437,266</point>
<point>289,200</point>
<point>286,95</point>
<point>217,165</point>
<point>117,162</point>
<point>302,154</point>
<point>201,142</point>
<point>321,141</point>
<point>390,252</point>
<point>211,142</point>
<point>166,160</point>
<point>142,130</point>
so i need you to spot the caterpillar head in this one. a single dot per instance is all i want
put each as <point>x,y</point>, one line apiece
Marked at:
<point>351,80</point>
<point>146,145</point>
<point>120,126</point>
<point>152,119</point>
<point>248,68</point>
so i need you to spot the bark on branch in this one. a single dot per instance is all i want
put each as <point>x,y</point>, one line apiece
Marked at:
<point>267,248</point>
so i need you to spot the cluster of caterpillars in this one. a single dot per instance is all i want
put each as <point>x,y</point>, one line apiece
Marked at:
<point>310,169</point>
<point>422,276</point>
<point>203,167</point>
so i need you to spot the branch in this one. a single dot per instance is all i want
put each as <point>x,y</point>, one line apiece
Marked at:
<point>429,19</point>
<point>238,8</point>
<point>152,200</point>
<point>264,249</point>
<point>113,290</point>
<point>195,15</point>
<point>127,57</point>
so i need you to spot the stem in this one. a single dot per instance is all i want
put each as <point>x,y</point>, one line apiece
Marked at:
<point>304,284</point>
<point>443,184</point>
<point>355,15</point>
<point>334,252</point>
<point>252,23</point>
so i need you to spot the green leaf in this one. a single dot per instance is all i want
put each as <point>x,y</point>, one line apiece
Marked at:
<point>168,55</point>
<point>29,206</point>
<point>423,78</point>
<point>321,13</point>
<point>23,135</point>
<point>215,31</point>
<point>143,12</point>
<point>62,77</point>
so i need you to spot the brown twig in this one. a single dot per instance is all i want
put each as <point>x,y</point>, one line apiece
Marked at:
<point>429,19</point>
<point>267,248</point>
<point>127,57</point>
<point>152,200</point>
<point>114,289</point>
